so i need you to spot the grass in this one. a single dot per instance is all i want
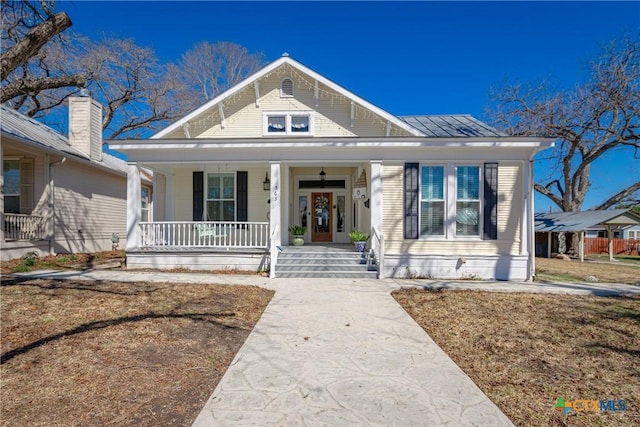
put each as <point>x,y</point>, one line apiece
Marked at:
<point>550,269</point>
<point>103,353</point>
<point>526,351</point>
<point>627,259</point>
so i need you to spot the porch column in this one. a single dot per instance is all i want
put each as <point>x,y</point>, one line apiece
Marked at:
<point>375,202</point>
<point>527,245</point>
<point>581,247</point>
<point>133,207</point>
<point>275,215</point>
<point>376,205</point>
<point>610,241</point>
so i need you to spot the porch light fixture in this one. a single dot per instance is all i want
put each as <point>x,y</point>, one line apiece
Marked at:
<point>266,184</point>
<point>323,175</point>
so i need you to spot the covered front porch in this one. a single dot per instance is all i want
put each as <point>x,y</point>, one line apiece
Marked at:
<point>235,215</point>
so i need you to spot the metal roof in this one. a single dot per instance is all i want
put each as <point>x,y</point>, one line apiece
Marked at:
<point>579,221</point>
<point>451,126</point>
<point>17,124</point>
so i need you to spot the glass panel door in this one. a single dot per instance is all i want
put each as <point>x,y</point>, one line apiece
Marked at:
<point>321,217</point>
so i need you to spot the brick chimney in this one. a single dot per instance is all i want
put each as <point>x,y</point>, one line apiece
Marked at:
<point>85,124</point>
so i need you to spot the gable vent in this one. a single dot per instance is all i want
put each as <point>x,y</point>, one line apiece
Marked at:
<point>287,88</point>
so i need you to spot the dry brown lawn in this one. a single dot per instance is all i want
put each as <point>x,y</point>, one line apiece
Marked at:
<point>98,353</point>
<point>525,351</point>
<point>551,269</point>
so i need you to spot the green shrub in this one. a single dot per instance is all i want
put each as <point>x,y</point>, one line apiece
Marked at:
<point>358,236</point>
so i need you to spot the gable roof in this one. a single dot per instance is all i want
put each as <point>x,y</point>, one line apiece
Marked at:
<point>455,126</point>
<point>578,221</point>
<point>40,135</point>
<point>282,61</point>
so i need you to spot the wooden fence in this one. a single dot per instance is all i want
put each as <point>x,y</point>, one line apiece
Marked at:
<point>600,245</point>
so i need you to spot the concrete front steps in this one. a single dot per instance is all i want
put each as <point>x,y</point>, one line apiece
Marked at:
<point>323,261</point>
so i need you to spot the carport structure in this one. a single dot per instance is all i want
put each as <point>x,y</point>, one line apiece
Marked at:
<point>578,222</point>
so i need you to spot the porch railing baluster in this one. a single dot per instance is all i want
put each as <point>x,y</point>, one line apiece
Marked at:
<point>182,235</point>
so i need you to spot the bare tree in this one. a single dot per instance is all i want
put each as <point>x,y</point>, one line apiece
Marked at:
<point>46,65</point>
<point>590,120</point>
<point>208,69</point>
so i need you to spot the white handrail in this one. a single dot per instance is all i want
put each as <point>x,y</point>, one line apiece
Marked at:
<point>377,246</point>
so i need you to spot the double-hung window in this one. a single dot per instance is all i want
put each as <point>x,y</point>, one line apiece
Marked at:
<point>450,201</point>
<point>432,202</point>
<point>11,175</point>
<point>468,201</point>
<point>18,176</point>
<point>221,197</point>
<point>288,123</point>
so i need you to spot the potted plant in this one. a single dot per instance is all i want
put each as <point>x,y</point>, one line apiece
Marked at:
<point>359,238</point>
<point>297,231</point>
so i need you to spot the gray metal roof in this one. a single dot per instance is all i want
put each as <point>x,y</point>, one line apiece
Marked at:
<point>451,126</point>
<point>17,124</point>
<point>579,221</point>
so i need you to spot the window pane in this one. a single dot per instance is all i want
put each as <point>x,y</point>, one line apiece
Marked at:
<point>144,197</point>
<point>300,124</point>
<point>11,173</point>
<point>468,183</point>
<point>214,211</point>
<point>12,204</point>
<point>341,205</point>
<point>432,218</point>
<point>213,186</point>
<point>432,182</point>
<point>467,214</point>
<point>276,124</point>
<point>227,187</point>
<point>228,211</point>
<point>302,203</point>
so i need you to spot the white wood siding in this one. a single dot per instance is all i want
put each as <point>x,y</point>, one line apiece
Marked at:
<point>90,205</point>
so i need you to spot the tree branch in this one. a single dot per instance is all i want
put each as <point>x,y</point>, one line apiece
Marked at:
<point>34,85</point>
<point>618,197</point>
<point>30,45</point>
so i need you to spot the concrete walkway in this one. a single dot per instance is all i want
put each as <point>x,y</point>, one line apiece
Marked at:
<point>342,352</point>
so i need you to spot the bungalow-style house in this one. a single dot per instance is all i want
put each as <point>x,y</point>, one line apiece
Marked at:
<point>59,194</point>
<point>442,196</point>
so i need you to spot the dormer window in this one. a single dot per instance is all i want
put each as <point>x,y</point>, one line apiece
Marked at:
<point>288,123</point>
<point>286,88</point>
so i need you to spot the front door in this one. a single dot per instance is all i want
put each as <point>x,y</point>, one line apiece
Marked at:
<point>321,217</point>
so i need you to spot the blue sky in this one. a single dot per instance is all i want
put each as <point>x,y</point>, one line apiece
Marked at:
<point>405,57</point>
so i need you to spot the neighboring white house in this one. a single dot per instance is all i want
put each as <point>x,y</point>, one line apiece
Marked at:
<point>442,196</point>
<point>59,194</point>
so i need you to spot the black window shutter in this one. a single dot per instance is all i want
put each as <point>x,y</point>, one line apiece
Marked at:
<point>242,196</point>
<point>411,200</point>
<point>198,195</point>
<point>490,208</point>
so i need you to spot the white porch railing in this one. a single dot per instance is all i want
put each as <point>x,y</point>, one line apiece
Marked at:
<point>377,247</point>
<point>24,227</point>
<point>201,235</point>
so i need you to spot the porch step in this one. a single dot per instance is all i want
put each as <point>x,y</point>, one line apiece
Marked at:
<point>325,263</point>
